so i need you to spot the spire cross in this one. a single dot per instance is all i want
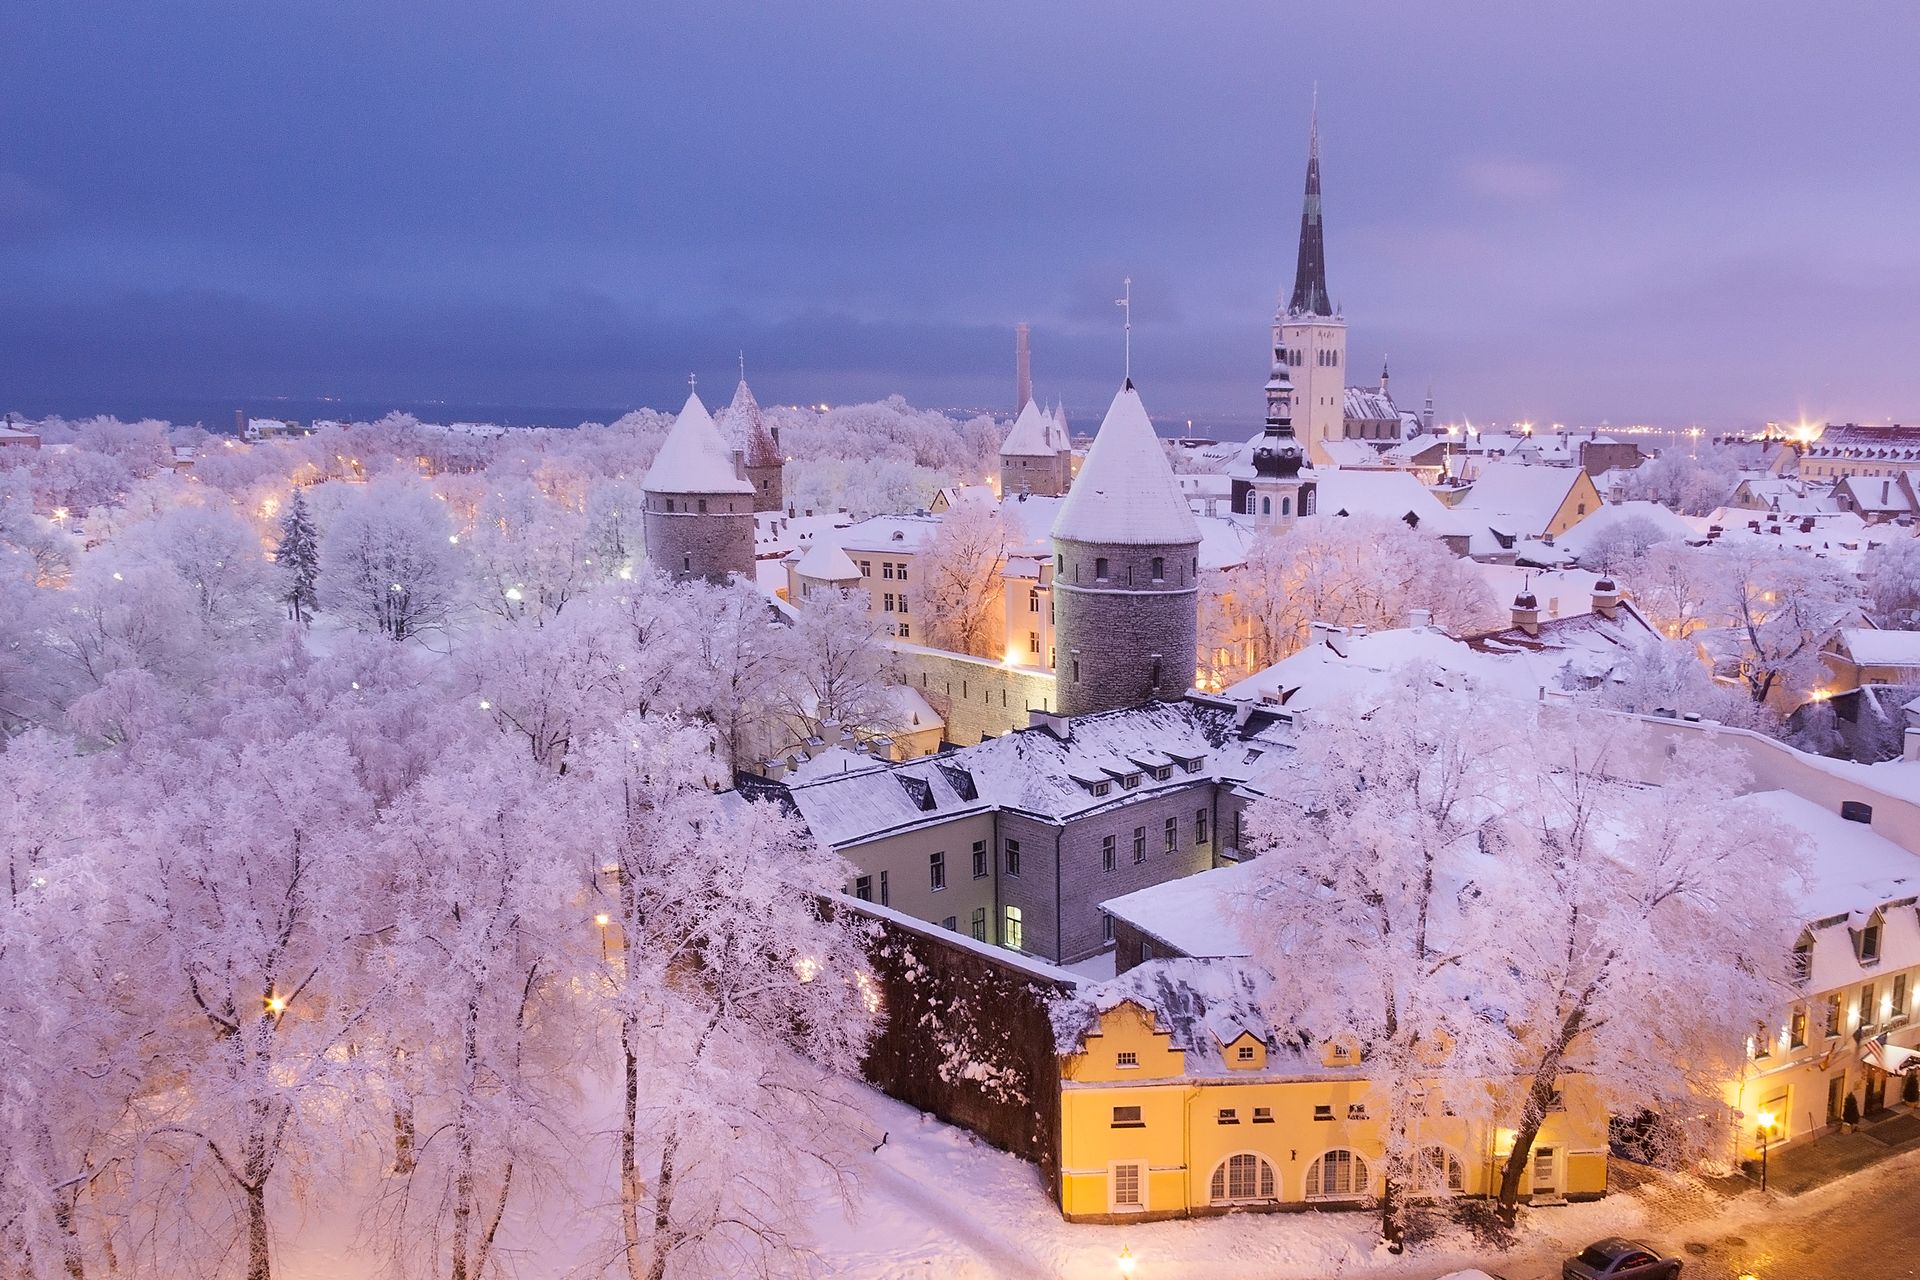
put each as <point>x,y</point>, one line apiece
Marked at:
<point>692,379</point>
<point>1125,303</point>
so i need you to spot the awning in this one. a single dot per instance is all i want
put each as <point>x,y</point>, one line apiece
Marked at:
<point>1891,1058</point>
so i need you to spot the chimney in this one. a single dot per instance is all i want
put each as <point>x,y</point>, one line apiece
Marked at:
<point>1059,726</point>
<point>1606,598</point>
<point>240,423</point>
<point>1419,619</point>
<point>1022,366</point>
<point>740,464</point>
<point>1526,613</point>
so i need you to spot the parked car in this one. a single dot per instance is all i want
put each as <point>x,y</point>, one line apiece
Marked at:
<point>1617,1259</point>
<point>1472,1273</point>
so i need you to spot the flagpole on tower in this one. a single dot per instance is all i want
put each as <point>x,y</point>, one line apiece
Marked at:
<point>1125,303</point>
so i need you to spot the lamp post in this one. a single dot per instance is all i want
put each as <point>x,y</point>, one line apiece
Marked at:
<point>1767,1120</point>
<point>1126,1261</point>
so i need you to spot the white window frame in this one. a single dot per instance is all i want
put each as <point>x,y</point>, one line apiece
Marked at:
<point>1140,1169</point>
<point>1224,1168</point>
<point>1357,1163</point>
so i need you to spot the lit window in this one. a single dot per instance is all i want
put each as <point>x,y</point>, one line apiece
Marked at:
<point>1126,1058</point>
<point>1013,931</point>
<point>1337,1175</point>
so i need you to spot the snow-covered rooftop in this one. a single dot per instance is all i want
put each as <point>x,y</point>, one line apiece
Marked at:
<point>825,562</point>
<point>1394,494</point>
<point>1189,915</point>
<point>1582,537</point>
<point>1516,498</point>
<point>694,458</point>
<point>745,428</point>
<point>1125,493</point>
<point>1871,647</point>
<point>1035,434</point>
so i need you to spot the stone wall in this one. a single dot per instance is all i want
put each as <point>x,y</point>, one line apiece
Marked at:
<point>1118,631</point>
<point>689,543</point>
<point>966,1036</point>
<point>977,697</point>
<point>769,487</point>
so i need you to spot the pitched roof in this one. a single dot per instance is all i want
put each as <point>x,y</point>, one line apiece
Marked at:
<point>1369,404</point>
<point>1871,647</point>
<point>1125,493</point>
<point>1520,499</point>
<point>1032,434</point>
<point>826,562</point>
<point>694,458</point>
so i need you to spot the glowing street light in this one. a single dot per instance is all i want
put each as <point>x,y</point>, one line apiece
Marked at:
<point>1126,1261</point>
<point>1767,1121</point>
<point>276,1003</point>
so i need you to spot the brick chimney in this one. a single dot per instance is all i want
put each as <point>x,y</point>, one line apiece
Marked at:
<point>1526,613</point>
<point>1606,598</point>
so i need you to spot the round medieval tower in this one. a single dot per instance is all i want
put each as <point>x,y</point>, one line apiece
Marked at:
<point>1126,559</point>
<point>699,516</point>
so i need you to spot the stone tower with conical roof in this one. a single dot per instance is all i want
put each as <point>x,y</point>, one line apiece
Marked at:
<point>758,449</point>
<point>1126,559</point>
<point>1036,457</point>
<point>1309,333</point>
<point>699,508</point>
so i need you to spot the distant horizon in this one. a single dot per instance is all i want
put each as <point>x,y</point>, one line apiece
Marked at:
<point>1591,215</point>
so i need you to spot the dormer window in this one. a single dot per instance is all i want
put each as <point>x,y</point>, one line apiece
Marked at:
<point>1101,788</point>
<point>1164,772</point>
<point>1244,1053</point>
<point>1803,959</point>
<point>1866,940</point>
<point>1130,780</point>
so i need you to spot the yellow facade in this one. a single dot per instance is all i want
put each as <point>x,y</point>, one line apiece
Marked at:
<point>1142,1136</point>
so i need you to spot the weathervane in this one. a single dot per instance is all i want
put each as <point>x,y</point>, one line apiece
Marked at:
<point>692,379</point>
<point>1125,303</point>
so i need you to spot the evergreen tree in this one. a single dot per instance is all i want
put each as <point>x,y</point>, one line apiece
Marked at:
<point>299,559</point>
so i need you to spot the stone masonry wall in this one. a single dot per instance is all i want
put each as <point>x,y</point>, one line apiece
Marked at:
<point>695,544</point>
<point>978,698</point>
<point>1115,628</point>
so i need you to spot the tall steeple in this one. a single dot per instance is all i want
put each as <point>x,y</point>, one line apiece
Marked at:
<point>1310,273</point>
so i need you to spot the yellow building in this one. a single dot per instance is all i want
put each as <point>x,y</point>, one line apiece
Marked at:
<point>1852,1034</point>
<point>1177,1100</point>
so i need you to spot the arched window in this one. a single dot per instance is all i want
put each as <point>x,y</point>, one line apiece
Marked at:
<point>1286,506</point>
<point>1253,508</point>
<point>1338,1175</point>
<point>1241,1178</point>
<point>1266,506</point>
<point>1438,1172</point>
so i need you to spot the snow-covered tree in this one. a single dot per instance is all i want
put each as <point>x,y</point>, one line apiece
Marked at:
<point>218,559</point>
<point>298,559</point>
<point>1692,486</point>
<point>1776,608</point>
<point>960,586</point>
<point>738,995</point>
<point>1621,544</point>
<point>1367,898</point>
<point>614,537</point>
<point>838,668</point>
<point>742,667</point>
<point>388,563</point>
<point>1635,902</point>
<point>530,553</point>
<point>1672,585</point>
<point>1891,575</point>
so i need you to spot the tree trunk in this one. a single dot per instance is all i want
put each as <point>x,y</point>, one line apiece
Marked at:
<point>663,1236</point>
<point>1392,1230</point>
<point>630,1186</point>
<point>1532,1116</point>
<point>463,1140</point>
<point>259,1261</point>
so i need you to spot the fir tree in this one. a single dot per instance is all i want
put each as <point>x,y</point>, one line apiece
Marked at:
<point>299,559</point>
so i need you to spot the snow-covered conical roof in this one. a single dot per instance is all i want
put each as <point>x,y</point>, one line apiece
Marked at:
<point>745,428</point>
<point>1030,437</point>
<point>1125,493</point>
<point>1058,436</point>
<point>695,457</point>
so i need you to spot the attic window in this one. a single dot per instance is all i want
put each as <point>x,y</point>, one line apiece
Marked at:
<point>1164,772</point>
<point>1126,1058</point>
<point>1130,780</point>
<point>1867,944</point>
<point>1193,765</point>
<point>1323,1112</point>
<point>1244,1053</point>
<point>919,790</point>
<point>959,779</point>
<point>1101,788</point>
<point>1803,959</point>
<point>1263,1115</point>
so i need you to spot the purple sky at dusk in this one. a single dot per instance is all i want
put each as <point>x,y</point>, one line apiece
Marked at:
<point>1626,211</point>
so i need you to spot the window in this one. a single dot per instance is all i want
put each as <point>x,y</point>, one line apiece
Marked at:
<point>1228,1115</point>
<point>1199,826</point>
<point>887,603</point>
<point>1855,811</point>
<point>979,924</point>
<point>903,602</point>
<point>1173,834</point>
<point>886,570</point>
<point>703,506</point>
<point>1098,788</point>
<point>1263,1115</point>
<point>1899,1013</point>
<point>1244,1053</point>
<point>1867,1018</point>
<point>885,897</point>
<point>1128,1118</point>
<point>1870,944</point>
<point>1033,600</point>
<point>1033,642</point>
<point>1130,780</point>
<point>1107,859</point>
<point>1337,1175</point>
<point>1126,1187</point>
<point>866,568</point>
<point>1242,1177</point>
<point>904,633</point>
<point>979,859</point>
<point>1833,1014</point>
<point>1106,927</point>
<point>901,573</point>
<point>1139,844</point>
<point>1164,772</point>
<point>1013,857</point>
<point>937,871</point>
<point>1013,934</point>
<point>951,923</point>
<point>1797,1026</point>
<point>1323,1113</point>
<point>1437,1172</point>
<point>1802,959</point>
<point>1762,1041</point>
<point>1356,1111</point>
<point>1100,568</point>
<point>1159,568</point>
<point>1127,1058</point>
<point>863,888</point>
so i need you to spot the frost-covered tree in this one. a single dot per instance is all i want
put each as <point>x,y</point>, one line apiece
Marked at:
<point>297,559</point>
<point>1366,897</point>
<point>1777,608</point>
<point>1692,486</point>
<point>37,541</point>
<point>530,553</point>
<point>838,668</point>
<point>738,995</point>
<point>388,562</point>
<point>121,616</point>
<point>614,540</point>
<point>1672,584</point>
<point>1620,546</point>
<point>218,559</point>
<point>1635,902</point>
<point>959,569</point>
<point>1891,575</point>
<point>742,667</point>
<point>1669,678</point>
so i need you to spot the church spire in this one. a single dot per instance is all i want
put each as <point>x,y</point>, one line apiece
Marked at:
<point>1310,274</point>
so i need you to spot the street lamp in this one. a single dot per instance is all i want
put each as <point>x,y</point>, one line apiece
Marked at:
<point>1126,1261</point>
<point>1767,1121</point>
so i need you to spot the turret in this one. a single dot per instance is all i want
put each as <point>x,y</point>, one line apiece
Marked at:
<point>699,508</point>
<point>758,449</point>
<point>1036,457</point>
<point>1126,560</point>
<point>1280,494</point>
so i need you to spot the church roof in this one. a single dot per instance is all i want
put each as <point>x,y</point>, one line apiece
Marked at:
<point>1032,435</point>
<point>1310,272</point>
<point>695,457</point>
<point>746,429</point>
<point>1125,493</point>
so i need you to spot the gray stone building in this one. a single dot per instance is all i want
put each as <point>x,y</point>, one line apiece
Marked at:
<point>1017,841</point>
<point>756,449</point>
<point>1037,456</point>
<point>699,508</point>
<point>1126,568</point>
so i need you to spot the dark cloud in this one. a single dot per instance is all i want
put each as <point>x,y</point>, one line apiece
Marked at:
<point>1550,212</point>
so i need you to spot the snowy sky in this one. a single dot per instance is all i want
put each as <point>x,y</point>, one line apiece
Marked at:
<point>1632,210</point>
